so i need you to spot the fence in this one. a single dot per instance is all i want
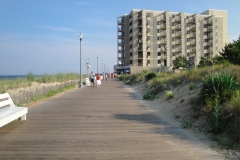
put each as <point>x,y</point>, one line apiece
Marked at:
<point>26,95</point>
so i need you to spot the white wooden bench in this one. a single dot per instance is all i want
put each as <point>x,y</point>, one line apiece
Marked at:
<point>9,112</point>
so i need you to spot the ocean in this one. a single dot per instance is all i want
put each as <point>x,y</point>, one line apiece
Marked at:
<point>12,76</point>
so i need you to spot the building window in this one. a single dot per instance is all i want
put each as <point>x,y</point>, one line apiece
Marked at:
<point>158,38</point>
<point>159,45</point>
<point>173,31</point>
<point>130,61</point>
<point>130,54</point>
<point>188,47</point>
<point>188,39</point>
<point>148,14</point>
<point>173,46</point>
<point>173,54</point>
<point>148,38</point>
<point>130,23</point>
<point>188,32</point>
<point>159,53</point>
<point>148,30</point>
<point>173,39</point>
<point>148,22</point>
<point>173,23</point>
<point>158,23</point>
<point>148,53</point>
<point>159,61</point>
<point>158,31</point>
<point>130,31</point>
<point>130,46</point>
<point>130,38</point>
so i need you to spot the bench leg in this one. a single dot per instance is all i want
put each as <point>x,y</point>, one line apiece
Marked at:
<point>23,118</point>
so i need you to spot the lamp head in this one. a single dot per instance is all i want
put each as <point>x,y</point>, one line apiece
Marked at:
<point>80,36</point>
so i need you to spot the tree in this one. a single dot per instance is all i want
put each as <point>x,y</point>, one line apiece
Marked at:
<point>231,52</point>
<point>181,61</point>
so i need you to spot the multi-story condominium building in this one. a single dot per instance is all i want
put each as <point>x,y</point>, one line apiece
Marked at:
<point>154,39</point>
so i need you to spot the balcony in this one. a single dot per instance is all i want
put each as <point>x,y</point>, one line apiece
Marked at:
<point>140,48</point>
<point>140,56</point>
<point>178,34</point>
<point>178,27</point>
<point>139,25</point>
<point>209,28</point>
<point>193,49</point>
<point>162,18</point>
<point>192,27</point>
<point>192,34</point>
<point>177,19</point>
<point>193,42</point>
<point>209,36</point>
<point>139,17</point>
<point>120,29</point>
<point>208,21</point>
<point>120,22</point>
<point>140,41</point>
<point>192,20</point>
<point>162,26</point>
<point>210,50</point>
<point>120,36</point>
<point>120,50</point>
<point>120,43</point>
<point>163,33</point>
<point>178,49</point>
<point>163,41</point>
<point>178,41</point>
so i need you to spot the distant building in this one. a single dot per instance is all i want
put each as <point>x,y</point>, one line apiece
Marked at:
<point>153,39</point>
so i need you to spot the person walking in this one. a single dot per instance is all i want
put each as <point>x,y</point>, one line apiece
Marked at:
<point>98,80</point>
<point>92,78</point>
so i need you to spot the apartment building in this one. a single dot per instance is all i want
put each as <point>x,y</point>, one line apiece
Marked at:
<point>149,39</point>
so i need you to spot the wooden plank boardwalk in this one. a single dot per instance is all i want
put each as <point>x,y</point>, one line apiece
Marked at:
<point>98,123</point>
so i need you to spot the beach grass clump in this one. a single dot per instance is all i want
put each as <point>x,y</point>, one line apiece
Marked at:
<point>169,95</point>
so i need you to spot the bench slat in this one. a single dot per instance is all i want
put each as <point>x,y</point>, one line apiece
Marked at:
<point>6,103</point>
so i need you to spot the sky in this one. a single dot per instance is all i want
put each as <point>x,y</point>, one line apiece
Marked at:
<point>42,36</point>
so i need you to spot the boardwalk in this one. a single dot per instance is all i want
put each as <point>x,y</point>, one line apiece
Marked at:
<point>98,123</point>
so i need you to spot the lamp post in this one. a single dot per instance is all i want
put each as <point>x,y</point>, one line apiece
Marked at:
<point>88,65</point>
<point>80,83</point>
<point>97,64</point>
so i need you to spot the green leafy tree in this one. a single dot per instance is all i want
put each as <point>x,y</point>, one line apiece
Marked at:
<point>204,62</point>
<point>231,52</point>
<point>181,61</point>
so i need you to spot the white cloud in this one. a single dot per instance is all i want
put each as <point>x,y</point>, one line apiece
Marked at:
<point>56,28</point>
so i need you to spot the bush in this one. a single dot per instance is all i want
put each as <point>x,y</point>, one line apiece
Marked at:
<point>169,95</point>
<point>150,76</point>
<point>149,96</point>
<point>218,86</point>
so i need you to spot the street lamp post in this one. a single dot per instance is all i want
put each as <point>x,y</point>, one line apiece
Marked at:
<point>80,83</point>
<point>97,64</point>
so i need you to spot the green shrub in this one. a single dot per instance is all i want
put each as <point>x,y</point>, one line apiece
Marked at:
<point>150,76</point>
<point>149,96</point>
<point>217,121</point>
<point>191,86</point>
<point>30,77</point>
<point>169,95</point>
<point>218,86</point>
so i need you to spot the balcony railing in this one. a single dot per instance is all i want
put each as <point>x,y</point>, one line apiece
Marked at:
<point>120,43</point>
<point>178,34</point>
<point>121,50</point>
<point>193,42</point>
<point>163,41</point>
<point>208,21</point>
<point>163,33</point>
<point>162,18</point>
<point>162,26</point>
<point>192,27</point>
<point>140,48</point>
